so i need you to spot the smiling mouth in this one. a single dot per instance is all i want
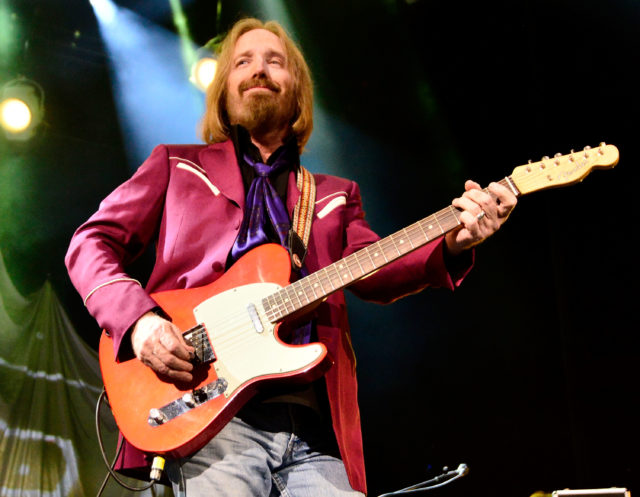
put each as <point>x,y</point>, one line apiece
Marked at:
<point>259,84</point>
<point>259,88</point>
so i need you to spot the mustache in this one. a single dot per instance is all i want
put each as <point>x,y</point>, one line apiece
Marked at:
<point>260,81</point>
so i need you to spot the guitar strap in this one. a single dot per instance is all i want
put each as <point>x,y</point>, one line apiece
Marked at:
<point>300,231</point>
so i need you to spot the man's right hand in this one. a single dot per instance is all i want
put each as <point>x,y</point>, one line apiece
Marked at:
<point>159,344</point>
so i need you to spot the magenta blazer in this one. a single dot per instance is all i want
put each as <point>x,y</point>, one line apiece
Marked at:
<point>189,200</point>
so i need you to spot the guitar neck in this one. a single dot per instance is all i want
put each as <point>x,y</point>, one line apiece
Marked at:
<point>317,286</point>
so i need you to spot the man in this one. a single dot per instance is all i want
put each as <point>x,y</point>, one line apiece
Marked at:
<point>199,204</point>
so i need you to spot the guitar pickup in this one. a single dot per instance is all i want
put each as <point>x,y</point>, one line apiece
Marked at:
<point>255,319</point>
<point>197,337</point>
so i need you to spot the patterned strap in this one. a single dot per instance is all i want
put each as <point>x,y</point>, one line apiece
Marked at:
<point>298,240</point>
<point>303,212</point>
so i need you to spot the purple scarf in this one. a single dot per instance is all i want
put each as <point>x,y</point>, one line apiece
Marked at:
<point>262,201</point>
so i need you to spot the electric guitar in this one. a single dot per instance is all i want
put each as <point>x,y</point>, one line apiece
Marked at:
<point>233,324</point>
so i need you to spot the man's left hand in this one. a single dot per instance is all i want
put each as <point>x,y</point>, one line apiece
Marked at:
<point>483,212</point>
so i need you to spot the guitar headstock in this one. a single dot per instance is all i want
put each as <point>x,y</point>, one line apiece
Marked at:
<point>562,170</point>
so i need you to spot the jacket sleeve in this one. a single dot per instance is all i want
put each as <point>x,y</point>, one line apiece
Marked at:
<point>428,265</point>
<point>101,248</point>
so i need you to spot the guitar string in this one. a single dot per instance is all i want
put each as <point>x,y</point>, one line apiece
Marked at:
<point>388,249</point>
<point>227,336</point>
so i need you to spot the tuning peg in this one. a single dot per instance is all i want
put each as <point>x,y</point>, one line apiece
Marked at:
<point>542,164</point>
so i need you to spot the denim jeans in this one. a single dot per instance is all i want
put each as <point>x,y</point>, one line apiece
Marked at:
<point>267,450</point>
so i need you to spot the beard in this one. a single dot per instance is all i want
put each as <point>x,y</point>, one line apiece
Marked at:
<point>261,112</point>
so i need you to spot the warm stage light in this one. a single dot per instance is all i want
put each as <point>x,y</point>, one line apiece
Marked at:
<point>15,115</point>
<point>21,108</point>
<point>203,72</point>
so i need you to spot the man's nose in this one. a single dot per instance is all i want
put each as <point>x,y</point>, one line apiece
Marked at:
<point>260,68</point>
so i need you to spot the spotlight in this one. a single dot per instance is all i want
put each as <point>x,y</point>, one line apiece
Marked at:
<point>21,108</point>
<point>203,69</point>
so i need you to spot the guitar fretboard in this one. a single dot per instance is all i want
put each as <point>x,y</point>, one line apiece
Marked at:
<point>342,273</point>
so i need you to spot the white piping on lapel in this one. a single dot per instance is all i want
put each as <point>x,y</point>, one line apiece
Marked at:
<point>180,159</point>
<point>337,201</point>
<point>186,167</point>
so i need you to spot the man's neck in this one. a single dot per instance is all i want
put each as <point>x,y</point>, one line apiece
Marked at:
<point>269,142</point>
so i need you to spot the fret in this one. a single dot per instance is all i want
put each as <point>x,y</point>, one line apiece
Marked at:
<point>439,224</point>
<point>456,214</point>
<point>379,251</point>
<point>325,271</point>
<point>344,266</point>
<point>276,309</point>
<point>318,285</point>
<point>421,226</point>
<point>410,233</point>
<point>354,267</point>
<point>309,292</point>
<point>286,301</point>
<point>357,259</point>
<point>312,287</point>
<point>266,303</point>
<point>392,238</point>
<point>366,251</point>
<point>408,237</point>
<point>293,294</point>
<point>365,261</point>
<point>334,268</point>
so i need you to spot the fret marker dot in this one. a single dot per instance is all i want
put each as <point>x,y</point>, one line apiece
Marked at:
<point>430,227</point>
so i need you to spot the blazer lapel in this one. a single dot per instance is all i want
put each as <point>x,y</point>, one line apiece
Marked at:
<point>220,163</point>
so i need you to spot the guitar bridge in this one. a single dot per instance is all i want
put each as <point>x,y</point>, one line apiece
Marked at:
<point>190,400</point>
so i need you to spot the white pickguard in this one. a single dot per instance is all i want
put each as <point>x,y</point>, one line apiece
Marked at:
<point>242,353</point>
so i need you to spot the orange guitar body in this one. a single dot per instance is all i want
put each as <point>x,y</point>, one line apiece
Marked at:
<point>246,358</point>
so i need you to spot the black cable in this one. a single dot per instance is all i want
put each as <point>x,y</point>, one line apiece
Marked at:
<point>111,473</point>
<point>437,482</point>
<point>108,475</point>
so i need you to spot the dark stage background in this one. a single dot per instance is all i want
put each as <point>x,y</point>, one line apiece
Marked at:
<point>528,373</point>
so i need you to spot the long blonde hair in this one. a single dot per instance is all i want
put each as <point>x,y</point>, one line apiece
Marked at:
<point>215,123</point>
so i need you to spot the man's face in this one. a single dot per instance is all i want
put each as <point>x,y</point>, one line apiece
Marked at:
<point>260,86</point>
